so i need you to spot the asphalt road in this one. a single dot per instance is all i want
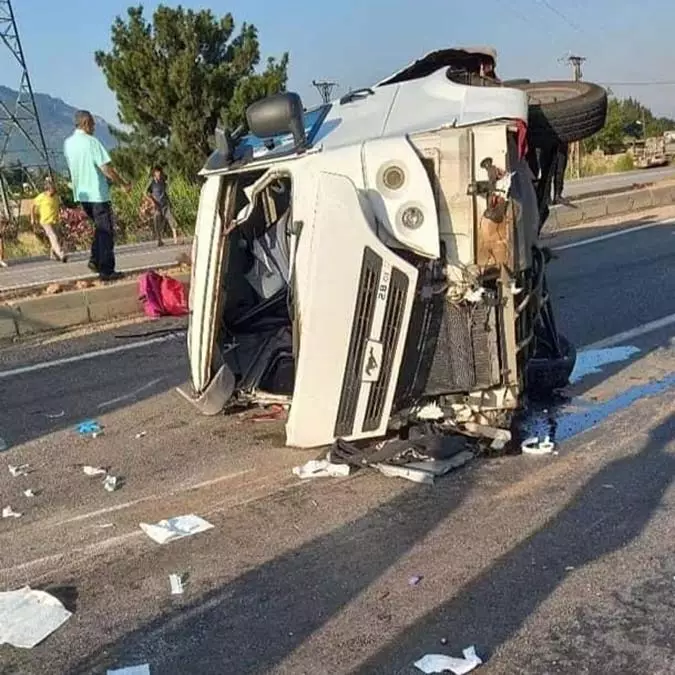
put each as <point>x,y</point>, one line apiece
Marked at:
<point>558,564</point>
<point>616,181</point>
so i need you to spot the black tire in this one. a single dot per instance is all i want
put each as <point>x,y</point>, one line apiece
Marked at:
<point>564,111</point>
<point>547,375</point>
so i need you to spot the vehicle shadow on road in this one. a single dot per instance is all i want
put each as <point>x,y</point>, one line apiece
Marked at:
<point>253,623</point>
<point>607,514</point>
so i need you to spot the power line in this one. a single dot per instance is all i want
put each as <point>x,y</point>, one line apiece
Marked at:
<point>562,16</point>
<point>639,84</point>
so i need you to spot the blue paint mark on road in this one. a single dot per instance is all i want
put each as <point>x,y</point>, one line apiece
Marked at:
<point>569,420</point>
<point>591,361</point>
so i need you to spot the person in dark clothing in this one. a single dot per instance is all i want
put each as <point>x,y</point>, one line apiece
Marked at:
<point>156,192</point>
<point>561,156</point>
<point>90,170</point>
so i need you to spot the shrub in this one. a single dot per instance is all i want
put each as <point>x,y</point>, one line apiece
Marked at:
<point>135,222</point>
<point>624,163</point>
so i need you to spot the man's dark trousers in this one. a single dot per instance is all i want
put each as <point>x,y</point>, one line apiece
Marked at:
<point>103,245</point>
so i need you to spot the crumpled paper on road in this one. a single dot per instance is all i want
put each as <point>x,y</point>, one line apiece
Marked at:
<point>175,528</point>
<point>131,670</point>
<point>439,663</point>
<point>321,468</point>
<point>27,617</point>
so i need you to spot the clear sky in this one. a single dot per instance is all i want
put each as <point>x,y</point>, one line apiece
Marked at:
<point>357,43</point>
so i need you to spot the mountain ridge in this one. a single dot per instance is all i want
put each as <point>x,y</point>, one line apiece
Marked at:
<point>57,121</point>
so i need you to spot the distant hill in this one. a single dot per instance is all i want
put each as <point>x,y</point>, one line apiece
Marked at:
<point>56,118</point>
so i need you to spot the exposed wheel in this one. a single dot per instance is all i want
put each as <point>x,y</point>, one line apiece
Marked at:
<point>564,111</point>
<point>546,374</point>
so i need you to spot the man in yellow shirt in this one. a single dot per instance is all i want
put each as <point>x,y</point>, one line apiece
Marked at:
<point>45,212</point>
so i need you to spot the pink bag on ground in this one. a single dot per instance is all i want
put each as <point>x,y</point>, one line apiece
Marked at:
<point>162,296</point>
<point>150,294</point>
<point>173,296</point>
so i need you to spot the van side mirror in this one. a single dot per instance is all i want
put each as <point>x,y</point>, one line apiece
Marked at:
<point>276,115</point>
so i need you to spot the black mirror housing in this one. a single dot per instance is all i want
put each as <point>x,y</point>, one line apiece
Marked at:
<point>276,115</point>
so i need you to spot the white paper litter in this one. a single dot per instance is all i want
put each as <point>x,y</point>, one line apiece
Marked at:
<point>94,471</point>
<point>414,475</point>
<point>27,617</point>
<point>176,582</point>
<point>141,434</point>
<point>9,512</point>
<point>321,468</point>
<point>439,663</point>
<point>175,528</point>
<point>21,470</point>
<point>131,670</point>
<point>110,483</point>
<point>29,493</point>
<point>533,446</point>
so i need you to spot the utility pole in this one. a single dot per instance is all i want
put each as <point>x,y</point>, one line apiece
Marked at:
<point>19,120</point>
<point>325,89</point>
<point>575,148</point>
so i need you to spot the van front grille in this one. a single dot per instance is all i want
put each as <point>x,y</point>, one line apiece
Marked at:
<point>362,322</point>
<point>391,330</point>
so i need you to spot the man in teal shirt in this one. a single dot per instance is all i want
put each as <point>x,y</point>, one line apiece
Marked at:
<point>91,170</point>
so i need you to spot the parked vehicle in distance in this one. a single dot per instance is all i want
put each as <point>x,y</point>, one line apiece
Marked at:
<point>375,262</point>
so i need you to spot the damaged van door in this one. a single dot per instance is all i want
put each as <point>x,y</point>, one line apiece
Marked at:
<point>333,350</point>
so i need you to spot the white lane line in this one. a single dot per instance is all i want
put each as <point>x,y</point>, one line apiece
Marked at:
<point>610,235</point>
<point>633,333</point>
<point>134,393</point>
<point>35,367</point>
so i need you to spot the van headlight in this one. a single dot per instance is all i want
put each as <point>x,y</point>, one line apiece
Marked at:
<point>393,178</point>
<point>412,217</point>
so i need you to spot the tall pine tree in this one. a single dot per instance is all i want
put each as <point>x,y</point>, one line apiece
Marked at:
<point>176,78</point>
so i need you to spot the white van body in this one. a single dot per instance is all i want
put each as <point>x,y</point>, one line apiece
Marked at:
<point>399,243</point>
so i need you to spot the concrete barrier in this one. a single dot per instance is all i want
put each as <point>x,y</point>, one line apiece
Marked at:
<point>28,316</point>
<point>584,211</point>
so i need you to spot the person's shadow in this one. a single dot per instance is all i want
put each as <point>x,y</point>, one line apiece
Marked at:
<point>609,512</point>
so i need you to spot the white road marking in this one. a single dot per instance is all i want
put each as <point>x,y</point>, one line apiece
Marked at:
<point>35,367</point>
<point>610,235</point>
<point>631,334</point>
<point>134,393</point>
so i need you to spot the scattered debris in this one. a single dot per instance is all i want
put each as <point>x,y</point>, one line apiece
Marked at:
<point>427,470</point>
<point>30,493</point>
<point>21,470</point>
<point>533,446</point>
<point>177,582</point>
<point>131,670</point>
<point>439,663</point>
<point>499,437</point>
<point>321,468</point>
<point>608,486</point>
<point>89,428</point>
<point>474,295</point>
<point>27,617</point>
<point>55,416</point>
<point>105,526</point>
<point>3,445</point>
<point>273,413</point>
<point>444,641</point>
<point>141,434</point>
<point>175,528</point>
<point>9,512</point>
<point>94,471</point>
<point>431,411</point>
<point>414,580</point>
<point>570,568</point>
<point>111,483</point>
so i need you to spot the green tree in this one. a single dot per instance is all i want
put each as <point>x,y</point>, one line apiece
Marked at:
<point>176,78</point>
<point>624,120</point>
